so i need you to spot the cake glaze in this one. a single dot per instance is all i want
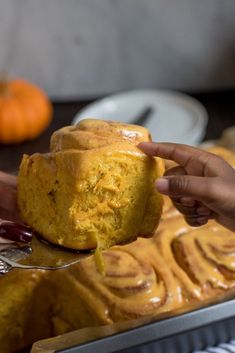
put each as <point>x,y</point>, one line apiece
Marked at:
<point>94,189</point>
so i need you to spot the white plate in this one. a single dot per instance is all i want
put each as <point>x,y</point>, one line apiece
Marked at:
<point>176,117</point>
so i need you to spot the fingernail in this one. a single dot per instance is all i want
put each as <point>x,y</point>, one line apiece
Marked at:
<point>202,220</point>
<point>203,211</point>
<point>188,202</point>
<point>163,185</point>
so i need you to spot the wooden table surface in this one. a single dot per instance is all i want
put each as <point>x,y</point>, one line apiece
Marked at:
<point>220,107</point>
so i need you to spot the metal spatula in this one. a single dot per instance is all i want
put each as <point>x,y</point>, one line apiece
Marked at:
<point>36,254</point>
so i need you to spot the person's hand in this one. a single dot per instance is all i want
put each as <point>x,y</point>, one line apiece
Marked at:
<point>202,186</point>
<point>8,204</point>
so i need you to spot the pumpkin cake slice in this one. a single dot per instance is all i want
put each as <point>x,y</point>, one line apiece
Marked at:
<point>94,189</point>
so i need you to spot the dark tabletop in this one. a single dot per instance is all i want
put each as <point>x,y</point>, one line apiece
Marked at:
<point>220,107</point>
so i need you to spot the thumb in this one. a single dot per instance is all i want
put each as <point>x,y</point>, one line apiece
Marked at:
<point>8,197</point>
<point>200,188</point>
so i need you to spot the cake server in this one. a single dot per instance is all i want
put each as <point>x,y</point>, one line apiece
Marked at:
<point>22,248</point>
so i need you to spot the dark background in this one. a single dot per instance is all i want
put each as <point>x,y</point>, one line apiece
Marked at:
<point>220,107</point>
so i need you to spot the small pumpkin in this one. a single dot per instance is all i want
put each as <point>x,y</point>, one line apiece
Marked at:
<point>25,111</point>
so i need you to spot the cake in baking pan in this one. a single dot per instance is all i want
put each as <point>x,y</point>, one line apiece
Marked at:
<point>180,267</point>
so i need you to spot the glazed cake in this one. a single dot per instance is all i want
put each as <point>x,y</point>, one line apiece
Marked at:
<point>94,189</point>
<point>178,267</point>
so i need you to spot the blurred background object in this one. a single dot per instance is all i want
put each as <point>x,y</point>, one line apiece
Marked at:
<point>79,51</point>
<point>78,48</point>
<point>169,116</point>
<point>25,111</point>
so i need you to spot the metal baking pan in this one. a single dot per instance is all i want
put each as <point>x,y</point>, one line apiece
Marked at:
<point>192,330</point>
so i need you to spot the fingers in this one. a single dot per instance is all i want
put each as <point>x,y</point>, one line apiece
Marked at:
<point>10,216</point>
<point>195,161</point>
<point>187,201</point>
<point>196,221</point>
<point>7,198</point>
<point>7,192</point>
<point>195,213</point>
<point>206,190</point>
<point>8,204</point>
<point>8,179</point>
<point>204,211</point>
<point>183,185</point>
<point>176,170</point>
<point>176,152</point>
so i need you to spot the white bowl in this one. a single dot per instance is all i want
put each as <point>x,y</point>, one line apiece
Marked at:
<point>176,117</point>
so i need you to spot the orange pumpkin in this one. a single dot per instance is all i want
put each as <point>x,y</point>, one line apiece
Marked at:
<point>25,111</point>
